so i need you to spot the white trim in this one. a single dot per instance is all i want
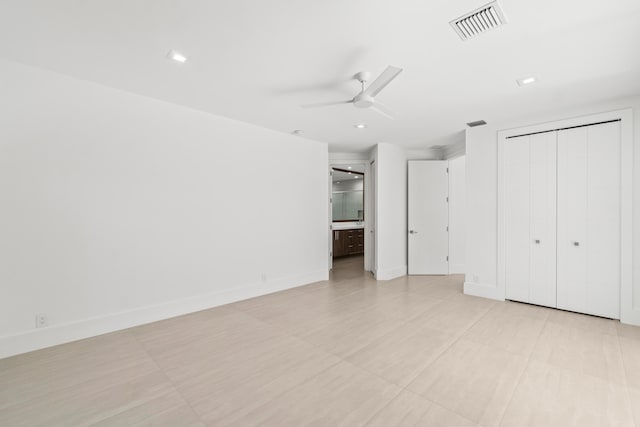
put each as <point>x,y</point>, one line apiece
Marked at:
<point>368,205</point>
<point>391,273</point>
<point>628,313</point>
<point>73,331</point>
<point>483,290</point>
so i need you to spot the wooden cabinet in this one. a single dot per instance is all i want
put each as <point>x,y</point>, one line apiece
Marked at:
<point>348,242</point>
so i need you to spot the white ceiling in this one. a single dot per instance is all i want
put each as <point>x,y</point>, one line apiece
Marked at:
<point>339,175</point>
<point>258,61</point>
<point>344,176</point>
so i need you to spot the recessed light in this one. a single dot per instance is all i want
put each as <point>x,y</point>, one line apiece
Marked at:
<point>360,126</point>
<point>177,56</point>
<point>526,81</point>
<point>356,177</point>
<point>349,173</point>
<point>349,167</point>
<point>337,182</point>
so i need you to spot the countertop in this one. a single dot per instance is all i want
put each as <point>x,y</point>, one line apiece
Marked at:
<point>348,225</point>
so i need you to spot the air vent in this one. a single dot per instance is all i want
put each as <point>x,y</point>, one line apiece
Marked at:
<point>478,123</point>
<point>481,20</point>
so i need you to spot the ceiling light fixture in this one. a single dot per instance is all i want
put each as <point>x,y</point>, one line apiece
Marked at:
<point>177,56</point>
<point>526,81</point>
<point>360,126</point>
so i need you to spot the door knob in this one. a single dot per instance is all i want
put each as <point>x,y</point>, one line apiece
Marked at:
<point>576,243</point>
<point>413,232</point>
<point>537,241</point>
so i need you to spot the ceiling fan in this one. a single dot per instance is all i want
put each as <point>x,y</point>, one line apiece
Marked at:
<point>366,97</point>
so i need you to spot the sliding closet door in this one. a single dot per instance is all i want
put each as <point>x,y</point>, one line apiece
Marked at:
<point>530,212</point>
<point>589,220</point>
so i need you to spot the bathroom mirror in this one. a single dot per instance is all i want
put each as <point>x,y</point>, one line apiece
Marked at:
<point>348,194</point>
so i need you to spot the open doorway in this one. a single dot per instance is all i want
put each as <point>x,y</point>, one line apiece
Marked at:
<point>350,243</point>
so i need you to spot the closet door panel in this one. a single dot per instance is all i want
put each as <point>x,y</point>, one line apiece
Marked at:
<point>517,218</point>
<point>603,221</point>
<point>572,216</point>
<point>542,287</point>
<point>589,220</point>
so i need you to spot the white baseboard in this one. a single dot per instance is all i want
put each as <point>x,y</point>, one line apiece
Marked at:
<point>59,334</point>
<point>391,273</point>
<point>630,315</point>
<point>483,290</point>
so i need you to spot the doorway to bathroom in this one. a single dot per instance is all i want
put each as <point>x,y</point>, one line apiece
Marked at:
<point>351,233</point>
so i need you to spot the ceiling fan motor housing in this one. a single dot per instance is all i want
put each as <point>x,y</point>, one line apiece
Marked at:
<point>362,100</point>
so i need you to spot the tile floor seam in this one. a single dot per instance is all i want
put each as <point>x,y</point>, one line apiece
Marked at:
<point>335,354</point>
<point>626,384</point>
<point>401,389</point>
<point>87,381</point>
<point>341,359</point>
<point>315,346</point>
<point>326,369</point>
<point>517,384</point>
<point>404,387</point>
<point>284,391</point>
<point>164,373</point>
<point>457,338</point>
<point>580,372</point>
<point>444,407</point>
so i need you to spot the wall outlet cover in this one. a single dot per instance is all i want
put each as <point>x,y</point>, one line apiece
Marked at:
<point>41,320</point>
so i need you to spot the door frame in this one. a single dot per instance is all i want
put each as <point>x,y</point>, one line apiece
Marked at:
<point>368,209</point>
<point>628,313</point>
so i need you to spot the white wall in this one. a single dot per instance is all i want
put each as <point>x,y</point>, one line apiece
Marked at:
<point>391,211</point>
<point>481,159</point>
<point>349,185</point>
<point>457,215</point>
<point>116,209</point>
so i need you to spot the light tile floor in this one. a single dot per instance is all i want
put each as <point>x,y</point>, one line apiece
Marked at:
<point>349,351</point>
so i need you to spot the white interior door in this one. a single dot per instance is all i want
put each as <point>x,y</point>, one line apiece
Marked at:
<point>530,213</point>
<point>589,219</point>
<point>428,216</point>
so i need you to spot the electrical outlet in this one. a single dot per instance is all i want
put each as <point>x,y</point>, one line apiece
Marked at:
<point>476,278</point>
<point>41,320</point>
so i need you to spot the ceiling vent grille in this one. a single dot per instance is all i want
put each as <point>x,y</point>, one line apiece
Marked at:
<point>481,20</point>
<point>478,123</point>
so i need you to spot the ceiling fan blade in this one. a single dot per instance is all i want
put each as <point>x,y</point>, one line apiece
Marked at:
<point>326,104</point>
<point>383,80</point>
<point>383,111</point>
